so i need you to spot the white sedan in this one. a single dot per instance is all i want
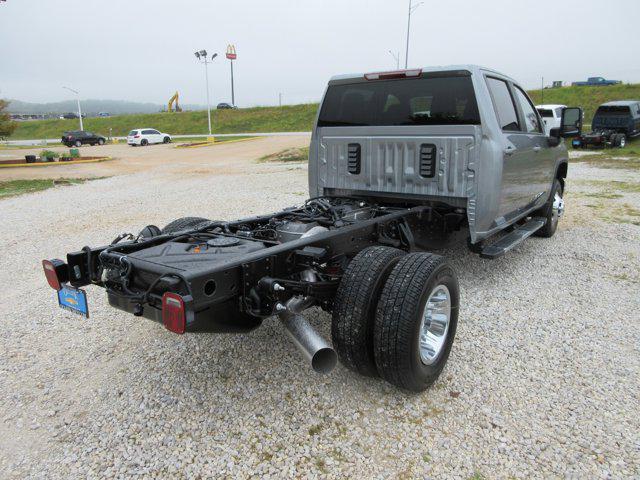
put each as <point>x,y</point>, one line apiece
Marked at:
<point>147,136</point>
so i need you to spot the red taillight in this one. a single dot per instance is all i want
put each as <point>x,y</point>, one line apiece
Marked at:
<point>173,314</point>
<point>51,270</point>
<point>136,136</point>
<point>394,74</point>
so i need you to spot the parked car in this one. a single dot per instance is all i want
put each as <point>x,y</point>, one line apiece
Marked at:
<point>551,116</point>
<point>225,106</point>
<point>71,116</point>
<point>78,138</point>
<point>147,136</point>
<point>613,124</point>
<point>596,82</point>
<point>104,114</point>
<point>400,163</point>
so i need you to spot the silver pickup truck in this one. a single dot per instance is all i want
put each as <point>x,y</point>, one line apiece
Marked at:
<point>400,163</point>
<point>463,137</point>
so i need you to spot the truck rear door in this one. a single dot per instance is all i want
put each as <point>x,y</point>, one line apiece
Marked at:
<point>413,133</point>
<point>527,161</point>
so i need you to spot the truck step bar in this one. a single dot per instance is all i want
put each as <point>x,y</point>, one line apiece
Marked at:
<point>513,239</point>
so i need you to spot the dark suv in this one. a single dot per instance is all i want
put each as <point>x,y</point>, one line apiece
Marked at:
<point>78,138</point>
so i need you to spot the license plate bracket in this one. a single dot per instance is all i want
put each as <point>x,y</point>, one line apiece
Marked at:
<point>74,300</point>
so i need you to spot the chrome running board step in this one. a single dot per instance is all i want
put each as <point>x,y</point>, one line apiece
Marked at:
<point>513,239</point>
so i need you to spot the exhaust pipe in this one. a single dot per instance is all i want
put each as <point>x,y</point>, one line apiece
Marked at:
<point>315,349</point>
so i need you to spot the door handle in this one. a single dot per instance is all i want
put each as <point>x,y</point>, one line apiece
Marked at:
<point>509,150</point>
<point>536,149</point>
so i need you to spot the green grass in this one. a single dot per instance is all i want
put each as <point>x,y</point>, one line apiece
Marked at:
<point>289,155</point>
<point>605,160</point>
<point>259,119</point>
<point>11,188</point>
<point>615,185</point>
<point>589,98</point>
<point>289,118</point>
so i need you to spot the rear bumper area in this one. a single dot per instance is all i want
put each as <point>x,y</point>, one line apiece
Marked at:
<point>222,318</point>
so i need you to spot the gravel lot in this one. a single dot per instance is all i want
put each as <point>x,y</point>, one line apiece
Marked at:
<point>542,380</point>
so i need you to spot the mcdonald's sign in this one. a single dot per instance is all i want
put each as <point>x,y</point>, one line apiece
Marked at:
<point>231,52</point>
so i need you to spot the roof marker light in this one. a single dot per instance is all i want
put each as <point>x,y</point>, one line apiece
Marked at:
<point>416,72</point>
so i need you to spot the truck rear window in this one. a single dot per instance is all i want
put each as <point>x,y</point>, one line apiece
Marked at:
<point>613,110</point>
<point>443,100</point>
<point>133,133</point>
<point>546,113</point>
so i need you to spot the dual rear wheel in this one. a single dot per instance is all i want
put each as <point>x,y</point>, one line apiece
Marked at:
<point>395,316</point>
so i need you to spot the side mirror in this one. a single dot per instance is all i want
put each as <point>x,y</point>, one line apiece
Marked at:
<point>571,122</point>
<point>554,137</point>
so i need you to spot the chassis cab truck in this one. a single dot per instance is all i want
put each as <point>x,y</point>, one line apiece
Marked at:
<point>400,163</point>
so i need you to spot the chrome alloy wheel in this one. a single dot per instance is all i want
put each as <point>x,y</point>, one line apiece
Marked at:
<point>434,325</point>
<point>558,207</point>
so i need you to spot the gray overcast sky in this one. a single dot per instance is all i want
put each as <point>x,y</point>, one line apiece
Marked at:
<point>143,50</point>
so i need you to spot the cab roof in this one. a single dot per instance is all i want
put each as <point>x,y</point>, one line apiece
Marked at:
<point>473,69</point>
<point>620,103</point>
<point>551,106</point>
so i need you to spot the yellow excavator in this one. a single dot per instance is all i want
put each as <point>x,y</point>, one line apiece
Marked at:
<point>174,101</point>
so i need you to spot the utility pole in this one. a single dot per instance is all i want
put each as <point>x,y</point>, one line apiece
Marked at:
<point>542,91</point>
<point>396,57</point>
<point>412,8</point>
<point>280,99</point>
<point>77,100</point>
<point>203,58</point>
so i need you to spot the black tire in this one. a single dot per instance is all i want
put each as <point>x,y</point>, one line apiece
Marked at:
<point>166,140</point>
<point>144,142</point>
<point>101,141</point>
<point>398,320</point>
<point>183,224</point>
<point>613,139</point>
<point>355,307</point>
<point>548,212</point>
<point>78,143</point>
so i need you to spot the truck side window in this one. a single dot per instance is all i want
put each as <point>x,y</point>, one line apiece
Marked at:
<point>531,122</point>
<point>503,104</point>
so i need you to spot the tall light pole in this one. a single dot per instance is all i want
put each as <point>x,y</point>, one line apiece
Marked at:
<point>412,8</point>
<point>78,100</point>
<point>396,57</point>
<point>201,55</point>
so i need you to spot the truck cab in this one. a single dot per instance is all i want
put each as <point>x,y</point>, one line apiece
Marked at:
<point>551,116</point>
<point>460,138</point>
<point>613,124</point>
